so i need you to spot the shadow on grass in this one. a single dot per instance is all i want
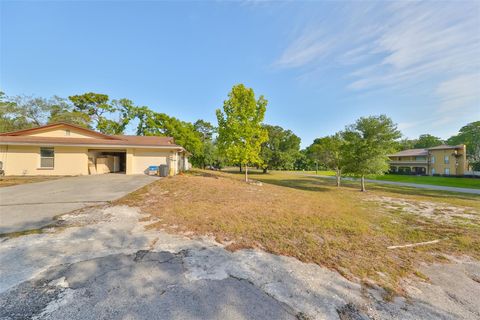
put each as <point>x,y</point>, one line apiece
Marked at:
<point>305,184</point>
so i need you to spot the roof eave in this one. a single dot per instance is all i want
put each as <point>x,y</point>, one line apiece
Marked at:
<point>93,145</point>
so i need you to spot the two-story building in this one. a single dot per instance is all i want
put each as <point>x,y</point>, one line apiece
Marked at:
<point>439,160</point>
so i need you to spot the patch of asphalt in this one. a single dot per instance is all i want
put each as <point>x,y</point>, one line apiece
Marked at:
<point>103,263</point>
<point>143,285</point>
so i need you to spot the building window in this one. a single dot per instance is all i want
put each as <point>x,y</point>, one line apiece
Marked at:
<point>433,171</point>
<point>447,161</point>
<point>433,159</point>
<point>67,132</point>
<point>420,158</point>
<point>47,156</point>
<point>447,171</point>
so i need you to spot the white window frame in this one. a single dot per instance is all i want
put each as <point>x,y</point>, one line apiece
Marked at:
<point>446,160</point>
<point>41,157</point>
<point>447,171</point>
<point>432,159</point>
<point>433,171</point>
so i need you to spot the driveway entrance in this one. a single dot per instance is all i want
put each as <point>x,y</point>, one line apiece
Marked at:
<point>31,206</point>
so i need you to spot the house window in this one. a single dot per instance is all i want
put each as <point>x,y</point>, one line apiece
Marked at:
<point>447,171</point>
<point>447,161</point>
<point>433,171</point>
<point>67,132</point>
<point>433,159</point>
<point>47,156</point>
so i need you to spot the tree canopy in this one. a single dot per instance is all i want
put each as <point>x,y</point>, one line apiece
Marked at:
<point>240,130</point>
<point>329,151</point>
<point>427,141</point>
<point>470,136</point>
<point>280,150</point>
<point>367,145</point>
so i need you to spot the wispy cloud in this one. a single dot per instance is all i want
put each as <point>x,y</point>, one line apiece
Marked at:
<point>305,49</point>
<point>397,46</point>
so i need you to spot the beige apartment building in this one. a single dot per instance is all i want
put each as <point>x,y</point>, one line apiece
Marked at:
<point>439,160</point>
<point>66,149</point>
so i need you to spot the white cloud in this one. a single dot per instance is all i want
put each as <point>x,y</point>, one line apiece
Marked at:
<point>459,92</point>
<point>306,48</point>
<point>393,45</point>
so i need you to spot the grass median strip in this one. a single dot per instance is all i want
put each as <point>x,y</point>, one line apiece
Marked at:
<point>314,221</point>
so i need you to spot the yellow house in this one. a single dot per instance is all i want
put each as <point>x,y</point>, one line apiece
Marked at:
<point>66,149</point>
<point>439,160</point>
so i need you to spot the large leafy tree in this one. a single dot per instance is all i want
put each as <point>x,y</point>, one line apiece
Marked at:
<point>184,134</point>
<point>280,150</point>
<point>470,136</point>
<point>21,112</point>
<point>208,153</point>
<point>240,130</point>
<point>110,117</point>
<point>329,151</point>
<point>427,141</point>
<point>11,118</point>
<point>367,145</point>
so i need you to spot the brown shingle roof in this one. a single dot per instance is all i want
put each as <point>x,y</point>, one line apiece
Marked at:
<point>126,141</point>
<point>445,146</point>
<point>21,137</point>
<point>53,125</point>
<point>410,153</point>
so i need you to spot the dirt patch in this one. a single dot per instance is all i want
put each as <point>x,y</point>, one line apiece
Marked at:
<point>431,210</point>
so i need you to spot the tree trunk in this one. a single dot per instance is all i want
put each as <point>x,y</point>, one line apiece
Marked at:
<point>240,166</point>
<point>265,170</point>
<point>246,173</point>
<point>363,183</point>
<point>338,175</point>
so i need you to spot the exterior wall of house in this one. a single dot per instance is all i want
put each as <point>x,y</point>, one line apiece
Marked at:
<point>141,159</point>
<point>456,164</point>
<point>62,133</point>
<point>25,160</point>
<point>432,164</point>
<point>409,164</point>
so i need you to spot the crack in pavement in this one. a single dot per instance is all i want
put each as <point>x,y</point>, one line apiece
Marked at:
<point>114,267</point>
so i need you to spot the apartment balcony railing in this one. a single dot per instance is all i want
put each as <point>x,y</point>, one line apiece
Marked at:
<point>400,162</point>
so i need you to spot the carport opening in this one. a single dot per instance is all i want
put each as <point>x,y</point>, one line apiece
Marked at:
<point>107,161</point>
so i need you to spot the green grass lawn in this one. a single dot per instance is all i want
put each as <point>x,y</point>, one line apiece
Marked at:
<point>437,181</point>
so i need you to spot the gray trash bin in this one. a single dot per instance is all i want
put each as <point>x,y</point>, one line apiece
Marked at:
<point>163,170</point>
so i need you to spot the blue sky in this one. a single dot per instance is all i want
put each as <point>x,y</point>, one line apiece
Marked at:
<point>321,65</point>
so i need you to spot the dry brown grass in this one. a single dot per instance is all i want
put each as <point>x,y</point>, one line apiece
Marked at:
<point>15,180</point>
<point>308,219</point>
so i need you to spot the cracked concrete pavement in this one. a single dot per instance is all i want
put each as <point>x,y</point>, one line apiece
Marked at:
<point>102,263</point>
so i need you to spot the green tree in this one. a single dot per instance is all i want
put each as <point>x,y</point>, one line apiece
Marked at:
<point>160,124</point>
<point>62,111</point>
<point>406,144</point>
<point>329,151</point>
<point>470,136</point>
<point>280,150</point>
<point>427,141</point>
<point>367,145</point>
<point>207,155</point>
<point>240,130</point>
<point>10,117</point>
<point>23,112</point>
<point>109,117</point>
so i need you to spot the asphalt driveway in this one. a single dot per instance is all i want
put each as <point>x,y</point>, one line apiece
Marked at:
<point>31,206</point>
